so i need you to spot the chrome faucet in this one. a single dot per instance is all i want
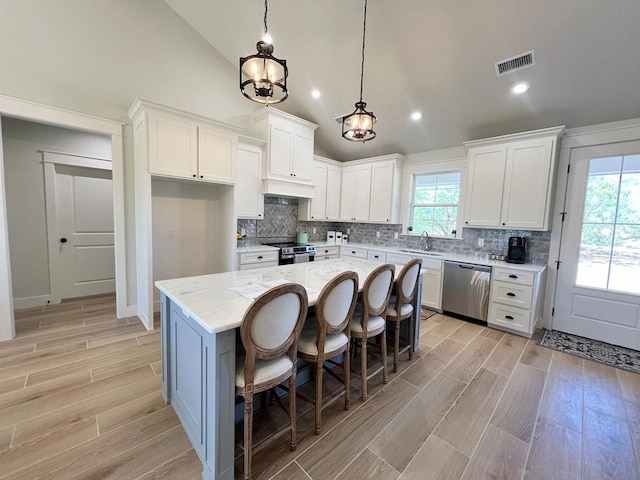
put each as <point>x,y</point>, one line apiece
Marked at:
<point>424,238</point>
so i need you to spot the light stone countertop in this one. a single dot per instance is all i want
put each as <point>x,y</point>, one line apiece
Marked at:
<point>530,267</point>
<point>208,300</point>
<point>256,249</point>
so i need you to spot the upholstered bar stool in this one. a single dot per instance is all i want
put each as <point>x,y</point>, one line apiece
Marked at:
<point>270,331</point>
<point>326,335</point>
<point>402,307</point>
<point>369,319</point>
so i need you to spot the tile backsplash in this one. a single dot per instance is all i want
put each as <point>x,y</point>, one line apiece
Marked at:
<point>281,224</point>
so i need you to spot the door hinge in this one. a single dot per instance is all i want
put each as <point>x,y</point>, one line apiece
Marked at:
<point>553,311</point>
<point>563,214</point>
<point>558,262</point>
<point>568,168</point>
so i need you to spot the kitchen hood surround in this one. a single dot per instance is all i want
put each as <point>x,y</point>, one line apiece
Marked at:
<point>280,224</point>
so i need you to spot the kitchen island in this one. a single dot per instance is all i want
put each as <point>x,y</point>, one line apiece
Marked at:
<point>200,316</point>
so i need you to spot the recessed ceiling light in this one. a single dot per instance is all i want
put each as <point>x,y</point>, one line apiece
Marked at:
<point>315,93</point>
<point>416,115</point>
<point>520,87</point>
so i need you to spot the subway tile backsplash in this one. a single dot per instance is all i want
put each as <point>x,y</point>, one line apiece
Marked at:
<point>281,224</point>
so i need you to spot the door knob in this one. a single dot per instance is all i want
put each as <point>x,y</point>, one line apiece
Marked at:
<point>63,240</point>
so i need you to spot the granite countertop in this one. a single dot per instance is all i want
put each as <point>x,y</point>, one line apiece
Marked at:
<point>445,256</point>
<point>208,300</point>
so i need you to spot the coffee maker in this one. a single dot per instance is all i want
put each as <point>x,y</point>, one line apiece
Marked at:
<point>517,252</point>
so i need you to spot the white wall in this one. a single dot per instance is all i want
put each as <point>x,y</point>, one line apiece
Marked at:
<point>26,216</point>
<point>97,56</point>
<point>197,214</point>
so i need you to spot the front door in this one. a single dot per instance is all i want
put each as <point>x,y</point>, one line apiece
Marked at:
<point>598,290</point>
<point>84,224</point>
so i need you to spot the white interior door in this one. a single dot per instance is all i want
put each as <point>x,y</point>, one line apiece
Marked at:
<point>84,229</point>
<point>598,290</point>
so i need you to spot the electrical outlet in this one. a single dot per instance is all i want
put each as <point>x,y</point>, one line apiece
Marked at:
<point>396,235</point>
<point>348,231</point>
<point>243,232</point>
<point>377,234</point>
<point>313,230</point>
<point>481,242</point>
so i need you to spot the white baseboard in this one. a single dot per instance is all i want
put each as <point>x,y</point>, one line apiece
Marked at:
<point>29,302</point>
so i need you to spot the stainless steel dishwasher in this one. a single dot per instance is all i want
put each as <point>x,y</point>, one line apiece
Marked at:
<point>465,289</point>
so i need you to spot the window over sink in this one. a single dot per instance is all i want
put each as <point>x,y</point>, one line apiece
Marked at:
<point>434,207</point>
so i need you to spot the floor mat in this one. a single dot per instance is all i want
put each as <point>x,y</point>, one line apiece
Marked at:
<point>619,357</point>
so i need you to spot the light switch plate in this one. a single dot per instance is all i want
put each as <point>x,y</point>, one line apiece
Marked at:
<point>395,235</point>
<point>481,242</point>
<point>377,234</point>
<point>314,229</point>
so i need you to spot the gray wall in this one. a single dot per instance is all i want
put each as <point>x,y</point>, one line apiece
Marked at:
<point>280,224</point>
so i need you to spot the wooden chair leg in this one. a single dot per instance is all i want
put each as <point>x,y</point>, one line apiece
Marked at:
<point>319,363</point>
<point>396,347</point>
<point>411,336</point>
<point>363,366</point>
<point>248,435</point>
<point>385,374</point>
<point>292,411</point>
<point>347,378</point>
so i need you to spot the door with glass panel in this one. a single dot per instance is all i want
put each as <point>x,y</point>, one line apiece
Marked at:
<point>598,290</point>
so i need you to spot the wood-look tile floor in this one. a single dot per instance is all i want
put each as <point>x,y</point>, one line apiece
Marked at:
<point>80,398</point>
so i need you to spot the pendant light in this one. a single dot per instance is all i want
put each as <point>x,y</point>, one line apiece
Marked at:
<point>263,77</point>
<point>358,126</point>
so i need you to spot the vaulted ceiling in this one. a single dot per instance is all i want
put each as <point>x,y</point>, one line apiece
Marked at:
<point>437,57</point>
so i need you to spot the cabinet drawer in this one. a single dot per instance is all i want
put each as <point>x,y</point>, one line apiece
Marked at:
<point>320,258</point>
<point>397,258</point>
<point>259,257</point>
<point>431,264</point>
<point>511,294</point>
<point>377,256</point>
<point>509,317</point>
<point>327,251</point>
<point>512,276</point>
<point>353,252</point>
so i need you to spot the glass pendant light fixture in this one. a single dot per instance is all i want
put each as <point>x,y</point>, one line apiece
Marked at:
<point>358,126</point>
<point>263,77</point>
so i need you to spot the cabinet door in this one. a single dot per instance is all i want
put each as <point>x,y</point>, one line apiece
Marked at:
<point>217,155</point>
<point>280,151</point>
<point>432,289</point>
<point>302,159</point>
<point>334,177</point>
<point>526,185</point>
<point>173,147</point>
<point>362,193</point>
<point>381,192</point>
<point>484,186</point>
<point>318,204</point>
<point>248,191</point>
<point>347,194</point>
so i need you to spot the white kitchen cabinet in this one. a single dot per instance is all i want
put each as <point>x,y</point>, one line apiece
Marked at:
<point>251,260</point>
<point>185,148</point>
<point>356,192</point>
<point>371,190</point>
<point>326,177</point>
<point>328,252</point>
<point>357,252</point>
<point>289,152</point>
<point>432,290</point>
<point>377,256</point>
<point>516,299</point>
<point>248,191</point>
<point>511,179</point>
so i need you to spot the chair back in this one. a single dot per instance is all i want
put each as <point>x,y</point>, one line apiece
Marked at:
<point>336,304</point>
<point>407,284</point>
<point>272,324</point>
<point>377,290</point>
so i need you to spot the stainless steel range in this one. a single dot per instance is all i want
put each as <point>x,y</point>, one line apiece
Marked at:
<point>294,253</point>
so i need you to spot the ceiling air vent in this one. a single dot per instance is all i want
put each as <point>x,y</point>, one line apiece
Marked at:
<point>518,62</point>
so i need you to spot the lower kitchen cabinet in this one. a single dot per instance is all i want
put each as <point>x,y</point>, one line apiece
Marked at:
<point>327,253</point>
<point>432,289</point>
<point>259,259</point>
<point>516,299</point>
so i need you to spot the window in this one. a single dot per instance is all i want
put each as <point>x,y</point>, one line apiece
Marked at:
<point>610,245</point>
<point>435,203</point>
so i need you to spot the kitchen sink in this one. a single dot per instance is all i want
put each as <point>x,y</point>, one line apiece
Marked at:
<point>422,252</point>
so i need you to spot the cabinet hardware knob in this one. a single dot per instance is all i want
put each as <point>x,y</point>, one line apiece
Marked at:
<point>259,214</point>
<point>509,294</point>
<point>508,317</point>
<point>259,257</point>
<point>513,276</point>
<point>503,223</point>
<point>201,176</point>
<point>194,175</point>
<point>63,240</point>
<point>353,252</point>
<point>466,222</point>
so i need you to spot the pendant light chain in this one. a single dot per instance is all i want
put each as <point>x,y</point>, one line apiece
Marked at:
<point>364,34</point>
<point>265,16</point>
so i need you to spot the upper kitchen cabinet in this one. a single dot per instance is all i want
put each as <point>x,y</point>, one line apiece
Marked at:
<point>511,180</point>
<point>248,191</point>
<point>184,145</point>
<point>326,177</point>
<point>289,152</point>
<point>371,190</point>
